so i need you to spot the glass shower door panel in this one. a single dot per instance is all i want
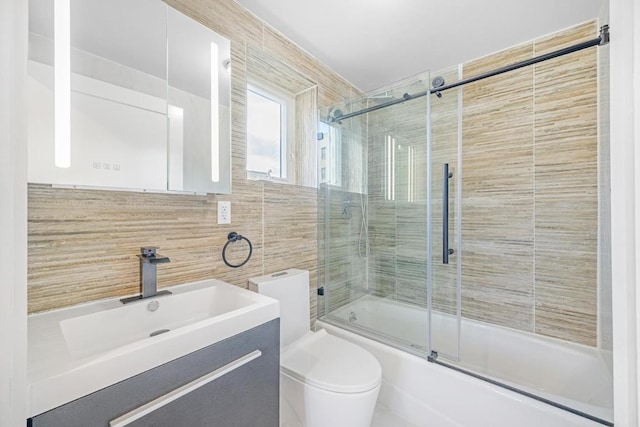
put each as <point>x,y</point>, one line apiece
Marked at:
<point>343,247</point>
<point>444,241</point>
<point>397,170</point>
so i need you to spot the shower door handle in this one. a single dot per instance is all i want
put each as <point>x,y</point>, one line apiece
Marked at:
<point>446,175</point>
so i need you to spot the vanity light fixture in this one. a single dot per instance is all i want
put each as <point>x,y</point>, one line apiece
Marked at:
<point>215,127</point>
<point>62,83</point>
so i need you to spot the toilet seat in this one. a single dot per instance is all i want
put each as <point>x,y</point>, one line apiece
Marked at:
<point>330,363</point>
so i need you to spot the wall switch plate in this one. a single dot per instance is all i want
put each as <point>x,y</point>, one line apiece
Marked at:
<point>224,212</point>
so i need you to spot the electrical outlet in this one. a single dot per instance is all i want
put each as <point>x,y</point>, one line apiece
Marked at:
<point>224,212</point>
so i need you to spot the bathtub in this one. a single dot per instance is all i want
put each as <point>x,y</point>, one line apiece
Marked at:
<point>431,395</point>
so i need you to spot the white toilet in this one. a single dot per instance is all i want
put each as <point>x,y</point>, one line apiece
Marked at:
<point>325,381</point>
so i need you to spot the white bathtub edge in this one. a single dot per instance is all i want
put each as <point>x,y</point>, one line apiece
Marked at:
<point>430,395</point>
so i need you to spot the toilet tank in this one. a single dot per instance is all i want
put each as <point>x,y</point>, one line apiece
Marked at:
<point>291,288</point>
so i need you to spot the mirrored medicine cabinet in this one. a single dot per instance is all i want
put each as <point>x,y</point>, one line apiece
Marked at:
<point>127,95</point>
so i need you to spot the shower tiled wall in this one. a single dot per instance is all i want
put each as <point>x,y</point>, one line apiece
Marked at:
<point>497,192</point>
<point>529,237</point>
<point>345,272</point>
<point>566,190</point>
<point>83,244</point>
<point>343,250</point>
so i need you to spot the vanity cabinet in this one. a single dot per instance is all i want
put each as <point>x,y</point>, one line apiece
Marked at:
<point>234,382</point>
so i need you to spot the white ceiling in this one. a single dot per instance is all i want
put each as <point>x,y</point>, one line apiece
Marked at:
<point>373,43</point>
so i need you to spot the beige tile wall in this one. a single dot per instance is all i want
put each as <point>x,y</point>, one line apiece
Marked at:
<point>566,189</point>
<point>530,191</point>
<point>498,192</point>
<point>345,274</point>
<point>83,244</point>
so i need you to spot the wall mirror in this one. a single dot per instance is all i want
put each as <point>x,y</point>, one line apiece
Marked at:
<point>127,95</point>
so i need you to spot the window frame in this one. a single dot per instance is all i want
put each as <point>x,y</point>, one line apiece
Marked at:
<point>287,128</point>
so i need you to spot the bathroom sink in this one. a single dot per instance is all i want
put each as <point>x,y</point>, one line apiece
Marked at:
<point>111,328</point>
<point>79,350</point>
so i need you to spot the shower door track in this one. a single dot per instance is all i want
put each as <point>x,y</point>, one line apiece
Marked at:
<point>601,40</point>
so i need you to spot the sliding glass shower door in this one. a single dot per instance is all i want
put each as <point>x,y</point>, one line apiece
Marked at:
<point>518,277</point>
<point>470,226</point>
<point>374,236</point>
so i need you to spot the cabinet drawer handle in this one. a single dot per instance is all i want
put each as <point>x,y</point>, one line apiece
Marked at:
<point>161,401</point>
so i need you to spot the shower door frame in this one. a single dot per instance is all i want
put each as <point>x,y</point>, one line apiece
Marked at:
<point>432,349</point>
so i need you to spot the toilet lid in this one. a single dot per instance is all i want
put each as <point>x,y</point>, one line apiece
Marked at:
<point>331,363</point>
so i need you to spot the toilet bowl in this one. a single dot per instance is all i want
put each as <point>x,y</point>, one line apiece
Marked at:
<point>325,381</point>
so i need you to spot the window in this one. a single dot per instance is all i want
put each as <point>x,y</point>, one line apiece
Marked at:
<point>330,163</point>
<point>335,157</point>
<point>268,122</point>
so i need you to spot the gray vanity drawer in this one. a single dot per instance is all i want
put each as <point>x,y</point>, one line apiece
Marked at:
<point>235,383</point>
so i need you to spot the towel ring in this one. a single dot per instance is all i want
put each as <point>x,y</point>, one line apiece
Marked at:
<point>231,238</point>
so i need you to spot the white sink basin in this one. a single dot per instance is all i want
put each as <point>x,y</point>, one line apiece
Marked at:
<point>127,323</point>
<point>78,350</point>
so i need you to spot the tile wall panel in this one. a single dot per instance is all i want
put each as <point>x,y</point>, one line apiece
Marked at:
<point>497,192</point>
<point>530,191</point>
<point>290,233</point>
<point>346,268</point>
<point>566,189</point>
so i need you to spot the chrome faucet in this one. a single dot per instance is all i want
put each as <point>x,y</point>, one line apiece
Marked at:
<point>148,274</point>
